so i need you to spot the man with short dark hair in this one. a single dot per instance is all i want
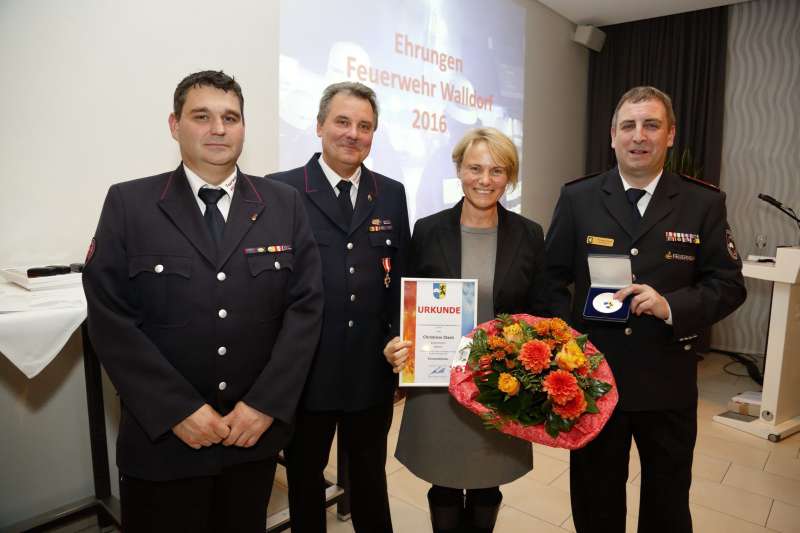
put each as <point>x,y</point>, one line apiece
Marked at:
<point>360,222</point>
<point>686,276</point>
<point>204,297</point>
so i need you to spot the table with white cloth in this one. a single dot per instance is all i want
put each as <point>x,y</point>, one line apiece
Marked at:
<point>34,327</point>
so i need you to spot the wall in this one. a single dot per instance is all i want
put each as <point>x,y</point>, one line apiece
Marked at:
<point>761,148</point>
<point>556,78</point>
<point>87,90</point>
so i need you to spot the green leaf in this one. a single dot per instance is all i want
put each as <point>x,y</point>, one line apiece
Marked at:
<point>581,341</point>
<point>597,388</point>
<point>591,405</point>
<point>525,400</point>
<point>554,424</point>
<point>479,348</point>
<point>505,319</point>
<point>527,331</point>
<point>510,406</point>
<point>490,397</point>
<point>595,360</point>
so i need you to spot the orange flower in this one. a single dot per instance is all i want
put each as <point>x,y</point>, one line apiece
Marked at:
<point>560,330</point>
<point>561,386</point>
<point>556,324</point>
<point>535,356</point>
<point>572,409</point>
<point>542,327</point>
<point>497,343</point>
<point>510,363</point>
<point>508,384</point>
<point>485,362</point>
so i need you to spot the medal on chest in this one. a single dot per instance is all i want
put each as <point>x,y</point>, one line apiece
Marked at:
<point>387,267</point>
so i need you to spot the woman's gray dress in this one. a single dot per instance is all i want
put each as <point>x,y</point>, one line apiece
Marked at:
<point>442,442</point>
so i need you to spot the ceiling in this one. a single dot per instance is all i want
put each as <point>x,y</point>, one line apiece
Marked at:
<point>605,12</point>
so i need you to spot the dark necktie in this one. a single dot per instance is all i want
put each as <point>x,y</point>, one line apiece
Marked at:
<point>213,216</point>
<point>345,203</point>
<point>634,195</point>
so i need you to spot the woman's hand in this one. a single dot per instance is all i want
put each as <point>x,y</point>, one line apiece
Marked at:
<point>396,353</point>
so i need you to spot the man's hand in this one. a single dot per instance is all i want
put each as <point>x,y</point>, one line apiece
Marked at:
<point>646,301</point>
<point>204,427</point>
<point>247,425</point>
<point>396,353</point>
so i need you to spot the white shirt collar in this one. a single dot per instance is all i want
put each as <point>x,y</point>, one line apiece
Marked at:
<point>334,178</point>
<point>651,187</point>
<point>197,183</point>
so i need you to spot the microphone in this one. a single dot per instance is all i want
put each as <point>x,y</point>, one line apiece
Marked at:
<point>770,200</point>
<point>788,211</point>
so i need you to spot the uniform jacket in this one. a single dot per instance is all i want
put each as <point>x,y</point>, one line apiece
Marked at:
<point>683,248</point>
<point>519,275</point>
<point>171,320</point>
<point>361,314</point>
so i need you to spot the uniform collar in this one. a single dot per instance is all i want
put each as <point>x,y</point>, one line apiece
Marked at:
<point>651,187</point>
<point>196,182</point>
<point>334,178</point>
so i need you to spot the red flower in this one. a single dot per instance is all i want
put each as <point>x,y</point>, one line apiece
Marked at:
<point>572,409</point>
<point>535,356</point>
<point>485,362</point>
<point>561,386</point>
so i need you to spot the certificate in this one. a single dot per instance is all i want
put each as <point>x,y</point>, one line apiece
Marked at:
<point>434,315</point>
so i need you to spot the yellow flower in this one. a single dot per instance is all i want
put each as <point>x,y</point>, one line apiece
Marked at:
<point>508,384</point>
<point>513,333</point>
<point>570,357</point>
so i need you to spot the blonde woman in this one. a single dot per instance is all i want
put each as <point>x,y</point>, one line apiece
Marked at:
<point>440,441</point>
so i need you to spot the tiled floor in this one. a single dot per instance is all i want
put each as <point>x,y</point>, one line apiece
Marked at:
<point>742,484</point>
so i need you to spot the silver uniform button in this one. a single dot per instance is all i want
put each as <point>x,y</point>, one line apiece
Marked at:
<point>687,347</point>
<point>634,251</point>
<point>159,269</point>
<point>349,245</point>
<point>222,313</point>
<point>222,385</point>
<point>352,297</point>
<point>350,323</point>
<point>222,350</point>
<point>221,276</point>
<point>388,242</point>
<point>628,331</point>
<point>352,270</point>
<point>277,265</point>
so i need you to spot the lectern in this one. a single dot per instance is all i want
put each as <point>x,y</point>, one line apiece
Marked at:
<point>780,398</point>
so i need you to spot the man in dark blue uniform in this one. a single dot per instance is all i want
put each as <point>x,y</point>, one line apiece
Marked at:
<point>360,223</point>
<point>205,301</point>
<point>687,276</point>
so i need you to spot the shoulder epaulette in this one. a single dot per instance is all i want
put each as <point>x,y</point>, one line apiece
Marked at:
<point>586,177</point>
<point>702,183</point>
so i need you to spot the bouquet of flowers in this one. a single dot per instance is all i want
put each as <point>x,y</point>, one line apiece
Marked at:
<point>536,379</point>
